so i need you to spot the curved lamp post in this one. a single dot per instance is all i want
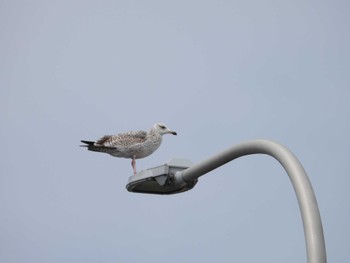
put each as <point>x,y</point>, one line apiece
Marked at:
<point>180,175</point>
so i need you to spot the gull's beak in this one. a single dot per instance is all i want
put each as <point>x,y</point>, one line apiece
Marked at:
<point>172,132</point>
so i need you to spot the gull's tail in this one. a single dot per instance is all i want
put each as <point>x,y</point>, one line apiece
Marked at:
<point>97,148</point>
<point>88,143</point>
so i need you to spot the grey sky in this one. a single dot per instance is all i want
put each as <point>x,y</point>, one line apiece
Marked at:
<point>218,73</point>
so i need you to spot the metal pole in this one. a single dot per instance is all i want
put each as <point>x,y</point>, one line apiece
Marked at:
<point>313,231</point>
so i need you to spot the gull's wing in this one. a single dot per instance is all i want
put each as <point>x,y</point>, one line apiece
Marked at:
<point>126,139</point>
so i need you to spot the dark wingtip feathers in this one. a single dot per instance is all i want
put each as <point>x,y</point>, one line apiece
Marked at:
<point>88,143</point>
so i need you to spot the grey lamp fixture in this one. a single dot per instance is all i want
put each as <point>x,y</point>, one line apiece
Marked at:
<point>161,179</point>
<point>179,175</point>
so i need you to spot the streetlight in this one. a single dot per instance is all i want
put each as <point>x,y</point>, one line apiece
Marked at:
<point>161,179</point>
<point>180,175</point>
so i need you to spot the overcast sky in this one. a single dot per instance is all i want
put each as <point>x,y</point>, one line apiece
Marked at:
<point>217,72</point>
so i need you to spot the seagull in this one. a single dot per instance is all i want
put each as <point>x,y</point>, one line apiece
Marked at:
<point>133,144</point>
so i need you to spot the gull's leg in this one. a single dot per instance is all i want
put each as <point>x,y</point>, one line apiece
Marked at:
<point>133,164</point>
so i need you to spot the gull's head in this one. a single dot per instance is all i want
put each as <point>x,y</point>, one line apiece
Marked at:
<point>163,129</point>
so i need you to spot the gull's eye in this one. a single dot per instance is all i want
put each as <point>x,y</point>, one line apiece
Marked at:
<point>162,127</point>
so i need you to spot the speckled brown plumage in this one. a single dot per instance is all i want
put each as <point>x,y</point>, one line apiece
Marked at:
<point>133,144</point>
